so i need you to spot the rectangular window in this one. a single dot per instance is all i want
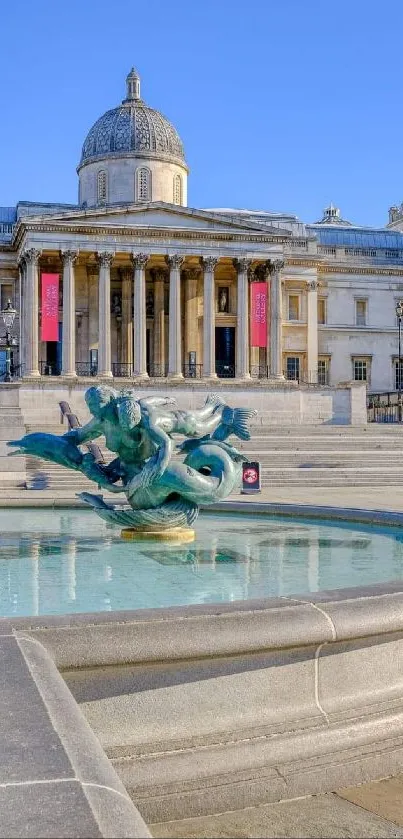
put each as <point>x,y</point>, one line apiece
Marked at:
<point>322,310</point>
<point>398,375</point>
<point>360,370</point>
<point>323,371</point>
<point>292,371</point>
<point>293,307</point>
<point>360,312</point>
<point>6,294</point>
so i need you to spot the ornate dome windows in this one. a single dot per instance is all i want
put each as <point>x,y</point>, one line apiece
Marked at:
<point>143,184</point>
<point>177,192</point>
<point>102,186</point>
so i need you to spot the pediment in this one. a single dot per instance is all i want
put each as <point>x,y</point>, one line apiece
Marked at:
<point>158,216</point>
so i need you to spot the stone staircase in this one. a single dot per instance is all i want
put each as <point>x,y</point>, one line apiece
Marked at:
<point>311,455</point>
<point>12,469</point>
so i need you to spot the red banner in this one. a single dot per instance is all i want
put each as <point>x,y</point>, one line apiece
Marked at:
<point>50,307</point>
<point>258,315</point>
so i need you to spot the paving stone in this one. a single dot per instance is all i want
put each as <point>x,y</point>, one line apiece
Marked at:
<point>382,797</point>
<point>325,816</point>
<point>46,810</point>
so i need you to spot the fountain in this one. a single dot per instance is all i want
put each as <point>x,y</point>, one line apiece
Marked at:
<point>164,483</point>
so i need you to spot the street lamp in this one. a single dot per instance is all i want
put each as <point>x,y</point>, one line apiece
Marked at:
<point>8,314</point>
<point>399,315</point>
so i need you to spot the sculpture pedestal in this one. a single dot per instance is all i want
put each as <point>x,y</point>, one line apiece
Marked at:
<point>174,534</point>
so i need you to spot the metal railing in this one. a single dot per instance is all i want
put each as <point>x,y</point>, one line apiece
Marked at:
<point>383,407</point>
<point>85,368</point>
<point>259,371</point>
<point>47,369</point>
<point>16,372</point>
<point>193,371</point>
<point>315,378</point>
<point>224,370</point>
<point>122,371</point>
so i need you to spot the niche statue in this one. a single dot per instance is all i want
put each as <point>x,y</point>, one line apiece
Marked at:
<point>164,482</point>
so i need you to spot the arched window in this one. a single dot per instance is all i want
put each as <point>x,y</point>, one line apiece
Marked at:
<point>143,184</point>
<point>177,189</point>
<point>101,186</point>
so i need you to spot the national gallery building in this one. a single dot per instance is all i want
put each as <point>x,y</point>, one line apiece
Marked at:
<point>131,283</point>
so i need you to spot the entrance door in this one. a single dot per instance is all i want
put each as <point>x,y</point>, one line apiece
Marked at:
<point>225,351</point>
<point>54,356</point>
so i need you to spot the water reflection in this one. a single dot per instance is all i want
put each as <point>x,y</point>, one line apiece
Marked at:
<point>54,563</point>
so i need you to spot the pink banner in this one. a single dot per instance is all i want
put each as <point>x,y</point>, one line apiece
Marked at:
<point>258,315</point>
<point>50,307</point>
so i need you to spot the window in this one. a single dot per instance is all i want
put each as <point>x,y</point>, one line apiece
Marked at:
<point>293,307</point>
<point>7,293</point>
<point>101,186</point>
<point>292,371</point>
<point>398,375</point>
<point>360,312</point>
<point>143,190</point>
<point>360,369</point>
<point>322,310</point>
<point>323,371</point>
<point>177,189</point>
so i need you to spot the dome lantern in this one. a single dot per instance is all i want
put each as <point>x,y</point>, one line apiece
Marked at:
<point>132,86</point>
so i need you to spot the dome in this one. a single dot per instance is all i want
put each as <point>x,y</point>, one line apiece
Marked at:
<point>133,128</point>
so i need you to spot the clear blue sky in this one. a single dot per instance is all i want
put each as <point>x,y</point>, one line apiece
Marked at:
<point>281,106</point>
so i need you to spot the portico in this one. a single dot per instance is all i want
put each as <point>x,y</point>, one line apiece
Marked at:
<point>160,306</point>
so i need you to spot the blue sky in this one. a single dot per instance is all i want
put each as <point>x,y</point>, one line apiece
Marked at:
<point>281,106</point>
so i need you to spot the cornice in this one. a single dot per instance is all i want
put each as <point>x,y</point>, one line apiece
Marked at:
<point>149,233</point>
<point>344,269</point>
<point>303,262</point>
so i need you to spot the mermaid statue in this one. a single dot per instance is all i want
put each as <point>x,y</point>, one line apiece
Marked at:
<point>164,481</point>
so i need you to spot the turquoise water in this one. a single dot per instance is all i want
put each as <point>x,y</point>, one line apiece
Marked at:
<point>55,562</point>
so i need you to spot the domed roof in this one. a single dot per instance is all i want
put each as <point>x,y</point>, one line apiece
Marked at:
<point>132,127</point>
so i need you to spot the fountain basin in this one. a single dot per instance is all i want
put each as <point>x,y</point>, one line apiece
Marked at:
<point>222,705</point>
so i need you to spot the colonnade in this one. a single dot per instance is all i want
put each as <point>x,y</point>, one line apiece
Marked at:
<point>133,336</point>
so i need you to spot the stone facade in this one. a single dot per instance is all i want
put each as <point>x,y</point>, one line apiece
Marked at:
<point>152,288</point>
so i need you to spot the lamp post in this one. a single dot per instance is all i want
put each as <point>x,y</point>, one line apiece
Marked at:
<point>399,315</point>
<point>8,314</point>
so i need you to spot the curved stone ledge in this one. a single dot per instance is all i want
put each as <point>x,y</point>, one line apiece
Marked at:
<point>221,706</point>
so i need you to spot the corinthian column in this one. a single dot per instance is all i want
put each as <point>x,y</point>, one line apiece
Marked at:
<point>69,314</point>
<point>127,320</point>
<point>209,263</point>
<point>23,302</point>
<point>31,257</point>
<point>104,312</point>
<point>140,324</point>
<point>242,328</point>
<point>175,321</point>
<point>312,343</point>
<point>276,320</point>
<point>159,322</point>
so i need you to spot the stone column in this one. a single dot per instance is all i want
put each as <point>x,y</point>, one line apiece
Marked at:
<point>31,257</point>
<point>191,276</point>
<point>104,309</point>
<point>209,263</point>
<point>127,319</point>
<point>312,338</point>
<point>22,272</point>
<point>159,275</point>
<point>69,314</point>
<point>175,321</point>
<point>276,320</point>
<point>139,321</point>
<point>254,352</point>
<point>242,324</point>
<point>93,307</point>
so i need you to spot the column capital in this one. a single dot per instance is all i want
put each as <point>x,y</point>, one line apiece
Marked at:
<point>312,285</point>
<point>140,259</point>
<point>68,256</point>
<point>159,274</point>
<point>276,265</point>
<point>242,265</point>
<point>209,263</point>
<point>175,260</point>
<point>263,271</point>
<point>31,255</point>
<point>105,258</point>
